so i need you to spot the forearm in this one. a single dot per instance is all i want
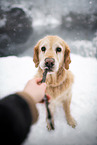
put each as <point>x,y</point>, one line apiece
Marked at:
<point>32,105</point>
<point>17,113</point>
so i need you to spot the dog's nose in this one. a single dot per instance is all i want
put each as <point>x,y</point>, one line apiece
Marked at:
<point>49,62</point>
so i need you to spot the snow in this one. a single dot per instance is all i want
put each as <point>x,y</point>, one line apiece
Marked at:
<point>14,74</point>
<point>85,47</point>
<point>55,8</point>
<point>45,21</point>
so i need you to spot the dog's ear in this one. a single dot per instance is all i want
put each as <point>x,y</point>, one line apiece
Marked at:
<point>36,55</point>
<point>67,59</point>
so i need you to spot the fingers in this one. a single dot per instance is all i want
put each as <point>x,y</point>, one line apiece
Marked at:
<point>38,80</point>
<point>48,98</point>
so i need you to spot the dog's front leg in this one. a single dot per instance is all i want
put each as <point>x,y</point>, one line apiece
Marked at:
<point>69,118</point>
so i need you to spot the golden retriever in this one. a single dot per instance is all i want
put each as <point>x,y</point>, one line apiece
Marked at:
<point>53,52</point>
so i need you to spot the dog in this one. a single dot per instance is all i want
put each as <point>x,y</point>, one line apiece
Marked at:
<point>53,52</point>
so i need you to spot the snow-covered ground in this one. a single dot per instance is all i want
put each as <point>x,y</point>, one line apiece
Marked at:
<point>15,72</point>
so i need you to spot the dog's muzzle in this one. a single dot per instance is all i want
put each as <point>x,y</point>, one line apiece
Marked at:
<point>49,63</point>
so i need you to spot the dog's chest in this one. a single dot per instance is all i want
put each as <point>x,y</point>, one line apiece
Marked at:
<point>56,91</point>
<point>59,90</point>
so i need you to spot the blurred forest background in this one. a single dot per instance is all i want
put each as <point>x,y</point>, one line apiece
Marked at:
<point>24,22</point>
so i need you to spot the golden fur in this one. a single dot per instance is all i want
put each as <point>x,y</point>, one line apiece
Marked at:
<point>59,83</point>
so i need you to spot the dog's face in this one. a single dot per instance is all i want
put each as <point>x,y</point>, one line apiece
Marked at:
<point>52,52</point>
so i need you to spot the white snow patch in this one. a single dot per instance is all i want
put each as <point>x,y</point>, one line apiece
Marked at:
<point>14,74</point>
<point>84,47</point>
<point>44,20</point>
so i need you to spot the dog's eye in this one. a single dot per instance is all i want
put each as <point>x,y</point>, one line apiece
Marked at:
<point>58,49</point>
<point>43,48</point>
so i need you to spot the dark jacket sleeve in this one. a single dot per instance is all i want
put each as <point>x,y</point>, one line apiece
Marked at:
<point>17,113</point>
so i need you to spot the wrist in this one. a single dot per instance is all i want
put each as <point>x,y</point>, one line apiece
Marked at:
<point>33,97</point>
<point>31,103</point>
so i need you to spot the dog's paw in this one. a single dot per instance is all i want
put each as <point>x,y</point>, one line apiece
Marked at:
<point>71,121</point>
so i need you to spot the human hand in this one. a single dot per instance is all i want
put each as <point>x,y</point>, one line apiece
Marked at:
<point>35,89</point>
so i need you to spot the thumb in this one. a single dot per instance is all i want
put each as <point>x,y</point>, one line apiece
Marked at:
<point>38,80</point>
